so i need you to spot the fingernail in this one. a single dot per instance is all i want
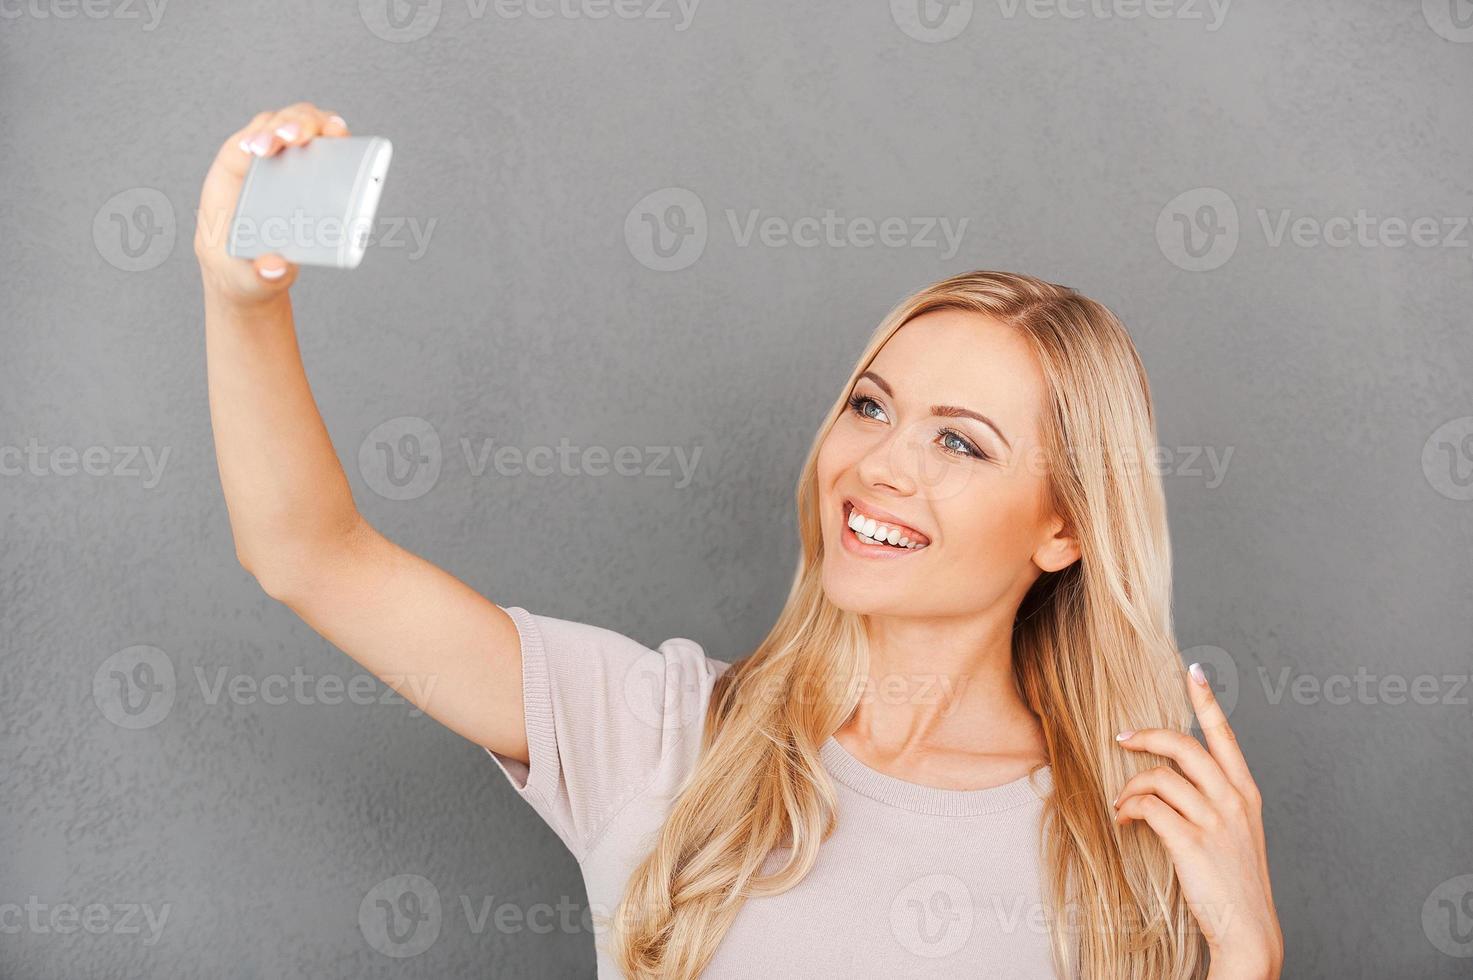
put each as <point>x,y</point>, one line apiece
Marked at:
<point>245,145</point>
<point>1116,803</point>
<point>260,144</point>
<point>288,131</point>
<point>339,120</point>
<point>273,273</point>
<point>1123,736</point>
<point>1197,674</point>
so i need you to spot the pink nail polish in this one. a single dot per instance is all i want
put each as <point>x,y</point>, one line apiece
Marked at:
<point>260,144</point>
<point>1123,736</point>
<point>289,131</point>
<point>1197,674</point>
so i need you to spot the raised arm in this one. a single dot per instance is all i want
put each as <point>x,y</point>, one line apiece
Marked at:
<point>444,647</point>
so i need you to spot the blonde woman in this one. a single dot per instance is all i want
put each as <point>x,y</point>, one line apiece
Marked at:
<point>961,751</point>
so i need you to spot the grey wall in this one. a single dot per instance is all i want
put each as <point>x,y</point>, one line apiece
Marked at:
<point>1330,369</point>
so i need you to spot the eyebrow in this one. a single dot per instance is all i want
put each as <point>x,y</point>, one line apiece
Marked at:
<point>949,411</point>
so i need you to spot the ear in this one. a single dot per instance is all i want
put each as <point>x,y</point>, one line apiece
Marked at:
<point>1060,548</point>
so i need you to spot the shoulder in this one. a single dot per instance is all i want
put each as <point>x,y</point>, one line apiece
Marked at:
<point>609,719</point>
<point>664,685</point>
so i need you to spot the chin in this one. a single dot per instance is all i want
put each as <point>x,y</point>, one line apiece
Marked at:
<point>851,593</point>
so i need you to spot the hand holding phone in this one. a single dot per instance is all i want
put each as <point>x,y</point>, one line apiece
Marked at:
<point>308,201</point>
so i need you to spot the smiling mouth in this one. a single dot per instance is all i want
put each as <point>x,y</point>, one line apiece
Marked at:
<point>878,536</point>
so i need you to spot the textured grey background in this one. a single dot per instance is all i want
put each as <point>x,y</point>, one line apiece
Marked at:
<point>1337,541</point>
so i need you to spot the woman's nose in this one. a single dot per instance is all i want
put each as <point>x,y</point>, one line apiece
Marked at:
<point>895,462</point>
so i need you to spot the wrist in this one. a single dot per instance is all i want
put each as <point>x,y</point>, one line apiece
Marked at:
<point>230,301</point>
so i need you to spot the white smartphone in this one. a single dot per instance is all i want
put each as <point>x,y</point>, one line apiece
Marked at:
<point>313,204</point>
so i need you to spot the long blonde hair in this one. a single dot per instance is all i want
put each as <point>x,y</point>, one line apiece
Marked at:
<point>1093,654</point>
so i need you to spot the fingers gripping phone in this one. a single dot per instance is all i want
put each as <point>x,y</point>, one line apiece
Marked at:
<point>312,204</point>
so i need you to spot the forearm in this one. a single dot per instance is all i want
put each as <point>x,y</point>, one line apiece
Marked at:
<point>1247,964</point>
<point>284,488</point>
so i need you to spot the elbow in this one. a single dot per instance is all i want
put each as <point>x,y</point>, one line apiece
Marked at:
<point>287,567</point>
<point>270,572</point>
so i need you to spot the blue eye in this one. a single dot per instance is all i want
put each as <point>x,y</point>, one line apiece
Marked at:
<point>967,449</point>
<point>857,403</point>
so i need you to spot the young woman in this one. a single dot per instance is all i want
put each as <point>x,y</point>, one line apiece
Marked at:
<point>961,750</point>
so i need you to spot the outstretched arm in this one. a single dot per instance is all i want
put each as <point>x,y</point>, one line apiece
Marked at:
<point>448,650</point>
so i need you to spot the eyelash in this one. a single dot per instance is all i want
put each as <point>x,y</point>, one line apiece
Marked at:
<point>856,403</point>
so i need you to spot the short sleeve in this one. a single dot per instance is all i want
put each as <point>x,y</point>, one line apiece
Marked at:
<point>604,715</point>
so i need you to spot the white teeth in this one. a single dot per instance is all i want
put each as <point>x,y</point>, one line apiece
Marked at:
<point>874,532</point>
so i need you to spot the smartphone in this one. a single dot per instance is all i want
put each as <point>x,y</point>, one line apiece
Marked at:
<point>313,204</point>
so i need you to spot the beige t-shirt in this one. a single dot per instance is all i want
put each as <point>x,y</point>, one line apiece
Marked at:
<point>915,882</point>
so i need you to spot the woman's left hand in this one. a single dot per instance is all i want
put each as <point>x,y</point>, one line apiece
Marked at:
<point>1210,818</point>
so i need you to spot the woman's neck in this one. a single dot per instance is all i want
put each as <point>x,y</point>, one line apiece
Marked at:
<point>942,700</point>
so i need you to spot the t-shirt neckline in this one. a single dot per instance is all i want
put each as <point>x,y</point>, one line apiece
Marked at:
<point>895,792</point>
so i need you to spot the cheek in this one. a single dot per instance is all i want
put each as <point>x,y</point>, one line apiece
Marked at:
<point>839,451</point>
<point>994,519</point>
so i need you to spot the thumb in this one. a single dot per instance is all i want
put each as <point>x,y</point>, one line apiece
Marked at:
<point>273,273</point>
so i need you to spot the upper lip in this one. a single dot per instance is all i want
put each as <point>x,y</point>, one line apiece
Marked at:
<point>889,519</point>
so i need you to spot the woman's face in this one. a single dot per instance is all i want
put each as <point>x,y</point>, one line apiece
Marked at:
<point>940,442</point>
